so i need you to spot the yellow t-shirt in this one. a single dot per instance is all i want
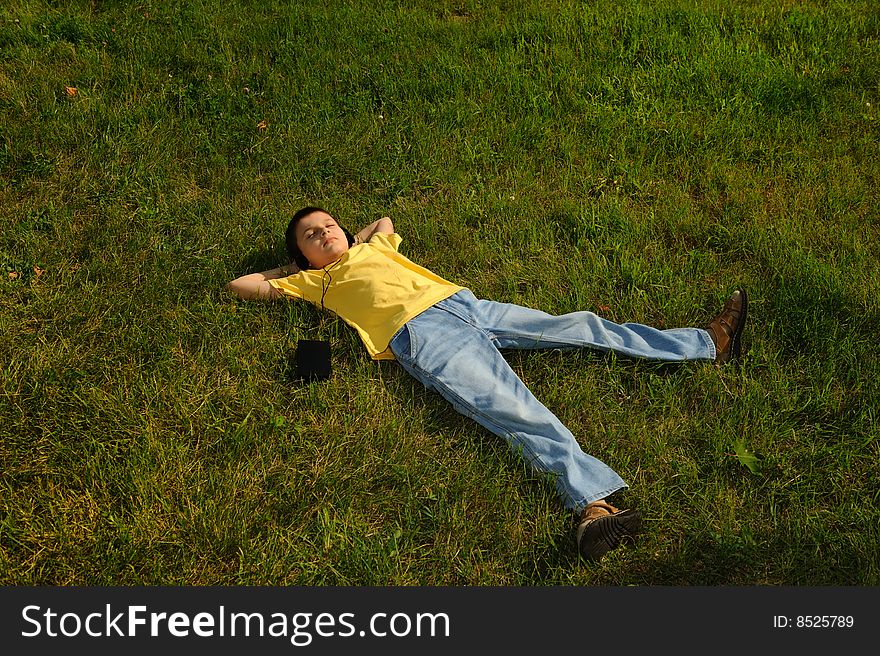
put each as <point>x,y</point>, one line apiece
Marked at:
<point>373,288</point>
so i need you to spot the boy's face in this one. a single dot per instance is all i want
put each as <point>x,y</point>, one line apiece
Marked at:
<point>320,239</point>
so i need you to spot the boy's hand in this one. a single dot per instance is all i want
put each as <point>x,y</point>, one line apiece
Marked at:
<point>383,225</point>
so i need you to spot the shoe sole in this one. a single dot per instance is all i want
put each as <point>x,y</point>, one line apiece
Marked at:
<point>736,341</point>
<point>609,532</point>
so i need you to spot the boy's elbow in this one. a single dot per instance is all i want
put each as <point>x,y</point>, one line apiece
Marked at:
<point>242,288</point>
<point>233,287</point>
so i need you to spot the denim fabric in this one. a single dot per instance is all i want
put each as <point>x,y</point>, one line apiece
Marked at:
<point>453,348</point>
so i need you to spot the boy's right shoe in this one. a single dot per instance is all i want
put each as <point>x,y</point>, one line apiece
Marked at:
<point>602,527</point>
<point>726,329</point>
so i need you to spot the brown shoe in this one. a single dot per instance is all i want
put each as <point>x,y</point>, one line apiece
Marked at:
<point>726,329</point>
<point>603,527</point>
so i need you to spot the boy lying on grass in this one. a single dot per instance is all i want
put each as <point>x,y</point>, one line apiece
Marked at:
<point>450,341</point>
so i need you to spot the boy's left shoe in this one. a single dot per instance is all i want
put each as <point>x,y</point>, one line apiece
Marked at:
<point>603,527</point>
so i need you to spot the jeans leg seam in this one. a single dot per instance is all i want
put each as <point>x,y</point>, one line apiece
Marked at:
<point>541,337</point>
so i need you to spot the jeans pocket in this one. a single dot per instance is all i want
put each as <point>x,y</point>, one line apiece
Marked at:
<point>401,344</point>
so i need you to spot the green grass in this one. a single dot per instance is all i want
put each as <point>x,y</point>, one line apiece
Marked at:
<point>636,159</point>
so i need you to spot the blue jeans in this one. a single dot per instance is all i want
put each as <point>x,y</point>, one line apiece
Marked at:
<point>453,348</point>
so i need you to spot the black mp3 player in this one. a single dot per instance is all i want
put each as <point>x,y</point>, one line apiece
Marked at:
<point>311,360</point>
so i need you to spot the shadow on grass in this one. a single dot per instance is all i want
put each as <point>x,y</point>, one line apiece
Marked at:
<point>736,560</point>
<point>817,317</point>
<point>263,260</point>
<point>783,558</point>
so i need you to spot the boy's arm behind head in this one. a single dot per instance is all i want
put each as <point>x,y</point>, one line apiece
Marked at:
<point>255,286</point>
<point>382,225</point>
